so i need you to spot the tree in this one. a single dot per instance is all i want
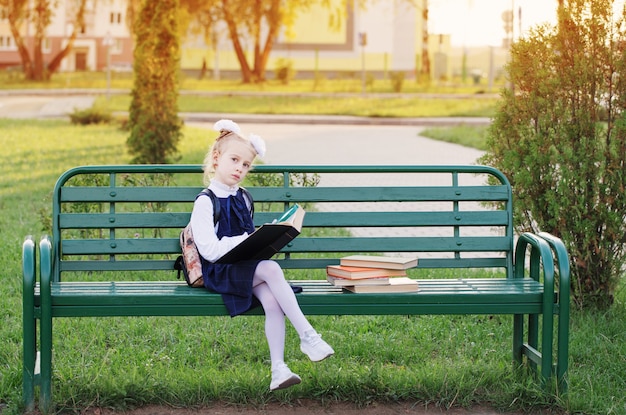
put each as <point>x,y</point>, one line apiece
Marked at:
<point>561,139</point>
<point>38,13</point>
<point>153,116</point>
<point>256,22</point>
<point>425,67</point>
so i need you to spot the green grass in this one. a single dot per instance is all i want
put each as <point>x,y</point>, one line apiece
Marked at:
<point>445,361</point>
<point>468,136</point>
<point>365,106</point>
<point>334,97</point>
<point>342,84</point>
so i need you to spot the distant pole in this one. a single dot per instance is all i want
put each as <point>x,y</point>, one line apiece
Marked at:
<point>108,41</point>
<point>216,58</point>
<point>363,43</point>
<point>512,21</point>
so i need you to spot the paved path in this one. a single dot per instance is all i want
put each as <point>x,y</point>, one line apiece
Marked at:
<point>304,140</point>
<point>42,106</point>
<point>353,144</point>
<point>60,103</point>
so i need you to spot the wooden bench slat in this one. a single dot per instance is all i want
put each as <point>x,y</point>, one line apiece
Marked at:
<point>141,246</point>
<point>313,219</point>
<point>300,194</point>
<point>91,295</point>
<point>107,264</point>
<point>451,217</point>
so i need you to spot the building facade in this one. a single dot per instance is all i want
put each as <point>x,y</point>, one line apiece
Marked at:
<point>386,36</point>
<point>103,39</point>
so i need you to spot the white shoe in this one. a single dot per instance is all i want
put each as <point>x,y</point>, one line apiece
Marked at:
<point>313,346</point>
<point>283,378</point>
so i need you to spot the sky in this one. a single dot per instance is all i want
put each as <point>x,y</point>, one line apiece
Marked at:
<point>479,22</point>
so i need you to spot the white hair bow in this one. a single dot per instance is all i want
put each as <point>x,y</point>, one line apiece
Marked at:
<point>258,144</point>
<point>227,125</point>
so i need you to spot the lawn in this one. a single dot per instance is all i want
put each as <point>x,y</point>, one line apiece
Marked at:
<point>333,97</point>
<point>445,361</point>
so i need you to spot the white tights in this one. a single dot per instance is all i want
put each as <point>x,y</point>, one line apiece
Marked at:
<point>278,300</point>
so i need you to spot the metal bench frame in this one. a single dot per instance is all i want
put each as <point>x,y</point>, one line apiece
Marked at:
<point>531,264</point>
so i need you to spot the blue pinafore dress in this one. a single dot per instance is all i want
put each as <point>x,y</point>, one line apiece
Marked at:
<point>233,281</point>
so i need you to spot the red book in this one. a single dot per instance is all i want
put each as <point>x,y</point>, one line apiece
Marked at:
<point>355,273</point>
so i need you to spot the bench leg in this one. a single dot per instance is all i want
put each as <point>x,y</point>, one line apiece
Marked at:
<point>29,364</point>
<point>546,345</point>
<point>533,336</point>
<point>45,397</point>
<point>45,341</point>
<point>29,324</point>
<point>518,338</point>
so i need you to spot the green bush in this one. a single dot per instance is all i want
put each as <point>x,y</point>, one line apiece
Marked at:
<point>153,116</point>
<point>93,115</point>
<point>397,80</point>
<point>319,79</point>
<point>284,71</point>
<point>566,166</point>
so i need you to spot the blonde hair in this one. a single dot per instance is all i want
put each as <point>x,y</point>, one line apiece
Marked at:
<point>219,146</point>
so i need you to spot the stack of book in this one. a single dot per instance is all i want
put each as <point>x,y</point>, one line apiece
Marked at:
<point>372,274</point>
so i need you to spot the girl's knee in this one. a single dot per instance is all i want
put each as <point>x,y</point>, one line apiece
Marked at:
<point>268,268</point>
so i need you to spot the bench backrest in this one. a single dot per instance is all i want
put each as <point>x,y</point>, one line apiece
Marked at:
<point>113,218</point>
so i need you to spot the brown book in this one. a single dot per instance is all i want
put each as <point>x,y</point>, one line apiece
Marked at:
<point>396,285</point>
<point>360,272</point>
<point>268,239</point>
<point>373,261</point>
<point>343,282</point>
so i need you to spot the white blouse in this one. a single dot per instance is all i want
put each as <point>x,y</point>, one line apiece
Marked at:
<point>205,236</point>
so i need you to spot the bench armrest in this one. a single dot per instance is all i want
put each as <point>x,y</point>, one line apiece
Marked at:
<point>562,258</point>
<point>29,269</point>
<point>46,259</point>
<point>540,256</point>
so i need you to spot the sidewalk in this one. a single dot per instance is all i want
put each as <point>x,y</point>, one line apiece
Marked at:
<point>303,139</point>
<point>58,104</point>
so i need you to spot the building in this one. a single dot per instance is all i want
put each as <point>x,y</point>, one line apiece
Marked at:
<point>385,37</point>
<point>104,36</point>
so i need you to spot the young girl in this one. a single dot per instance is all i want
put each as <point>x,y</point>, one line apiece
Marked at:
<point>245,284</point>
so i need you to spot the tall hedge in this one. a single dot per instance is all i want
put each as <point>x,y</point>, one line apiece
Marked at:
<point>153,115</point>
<point>560,136</point>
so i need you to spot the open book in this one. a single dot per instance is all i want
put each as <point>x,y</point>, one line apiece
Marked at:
<point>396,285</point>
<point>268,239</point>
<point>373,261</point>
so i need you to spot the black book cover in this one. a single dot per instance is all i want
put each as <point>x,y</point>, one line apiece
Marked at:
<point>267,240</point>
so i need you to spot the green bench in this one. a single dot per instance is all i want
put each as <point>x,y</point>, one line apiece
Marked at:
<point>125,220</point>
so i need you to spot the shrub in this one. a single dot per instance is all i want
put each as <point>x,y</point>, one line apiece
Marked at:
<point>284,71</point>
<point>153,116</point>
<point>567,168</point>
<point>397,80</point>
<point>92,115</point>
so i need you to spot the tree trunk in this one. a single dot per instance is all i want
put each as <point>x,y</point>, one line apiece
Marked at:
<point>55,63</point>
<point>14,23</point>
<point>274,20</point>
<point>425,71</point>
<point>246,73</point>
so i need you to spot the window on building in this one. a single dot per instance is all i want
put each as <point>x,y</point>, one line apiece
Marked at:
<point>46,45</point>
<point>6,42</point>
<point>115,18</point>
<point>117,46</point>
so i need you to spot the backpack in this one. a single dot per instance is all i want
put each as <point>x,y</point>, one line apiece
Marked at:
<point>190,263</point>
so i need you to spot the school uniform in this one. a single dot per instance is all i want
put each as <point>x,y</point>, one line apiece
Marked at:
<point>232,281</point>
